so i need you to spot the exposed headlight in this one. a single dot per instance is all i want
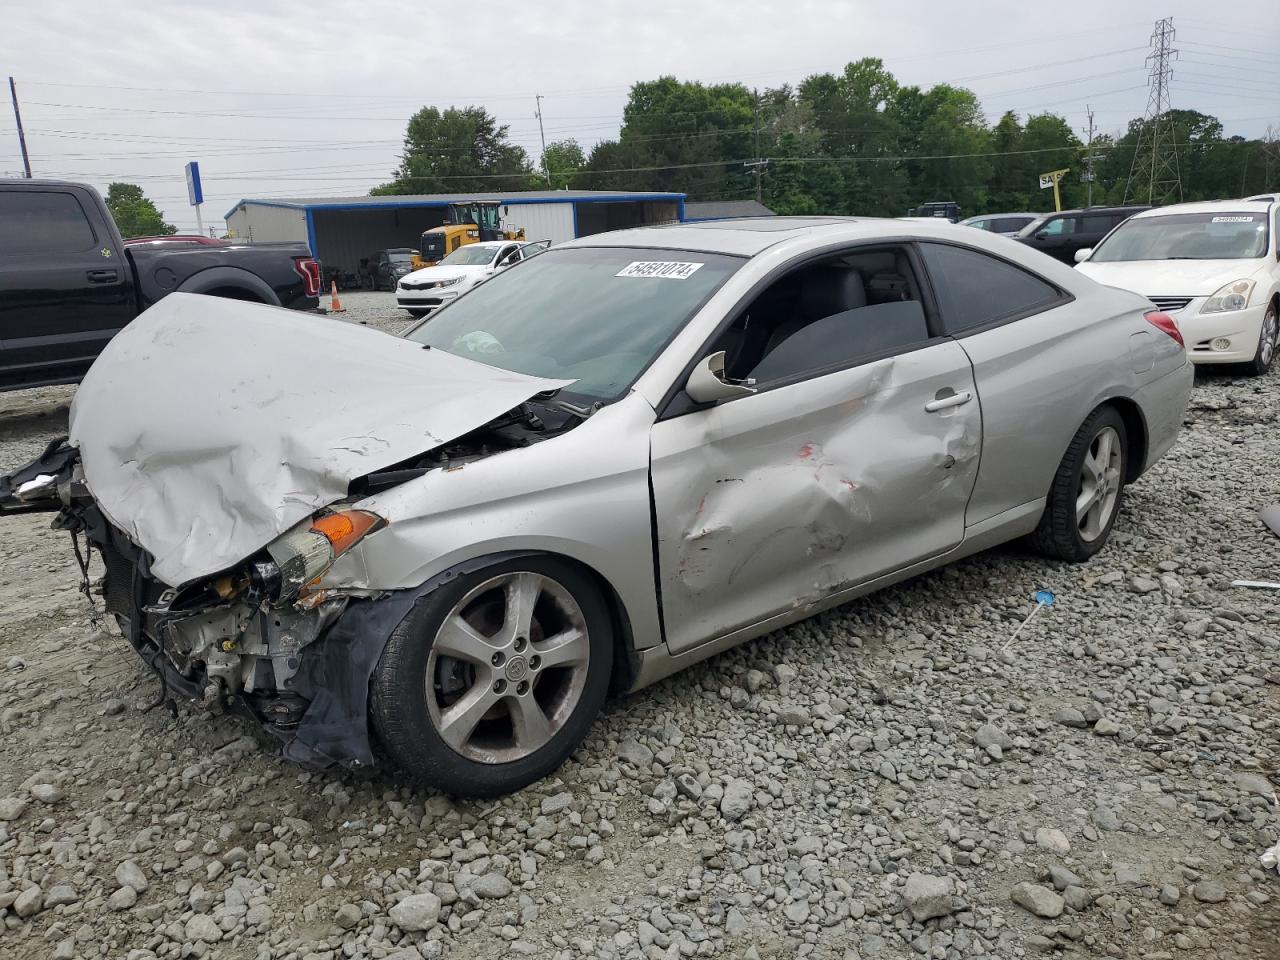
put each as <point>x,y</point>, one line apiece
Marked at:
<point>448,283</point>
<point>1233,296</point>
<point>304,553</point>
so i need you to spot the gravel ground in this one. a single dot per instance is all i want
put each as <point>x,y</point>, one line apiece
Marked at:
<point>892,779</point>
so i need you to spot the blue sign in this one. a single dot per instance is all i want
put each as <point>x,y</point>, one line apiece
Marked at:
<point>194,193</point>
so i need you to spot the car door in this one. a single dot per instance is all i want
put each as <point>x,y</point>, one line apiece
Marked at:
<point>1030,357</point>
<point>1056,237</point>
<point>65,289</point>
<point>854,458</point>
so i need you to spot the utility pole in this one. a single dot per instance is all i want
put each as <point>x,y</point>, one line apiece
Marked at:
<point>1154,176</point>
<point>757,165</point>
<point>22,137</point>
<point>538,113</point>
<point>1088,159</point>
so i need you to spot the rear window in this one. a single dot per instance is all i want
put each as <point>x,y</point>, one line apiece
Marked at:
<point>1187,236</point>
<point>36,222</point>
<point>975,289</point>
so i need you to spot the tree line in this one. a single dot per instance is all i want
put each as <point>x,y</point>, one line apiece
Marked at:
<point>857,142</point>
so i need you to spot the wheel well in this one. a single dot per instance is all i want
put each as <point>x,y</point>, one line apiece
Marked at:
<point>1135,428</point>
<point>233,293</point>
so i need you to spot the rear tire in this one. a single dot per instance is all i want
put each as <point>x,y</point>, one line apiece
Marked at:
<point>1267,340</point>
<point>1087,490</point>
<point>495,678</point>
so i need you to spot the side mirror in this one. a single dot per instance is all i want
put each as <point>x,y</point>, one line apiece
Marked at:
<point>706,384</point>
<point>1083,255</point>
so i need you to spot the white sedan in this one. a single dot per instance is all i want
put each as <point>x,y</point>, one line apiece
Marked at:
<point>425,290</point>
<point>1215,267</point>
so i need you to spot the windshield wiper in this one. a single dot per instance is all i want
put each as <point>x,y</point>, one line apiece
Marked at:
<point>549,399</point>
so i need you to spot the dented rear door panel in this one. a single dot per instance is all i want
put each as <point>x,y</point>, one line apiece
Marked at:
<point>775,501</point>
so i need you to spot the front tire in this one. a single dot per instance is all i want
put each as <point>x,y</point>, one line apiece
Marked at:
<point>1267,338</point>
<point>1087,490</point>
<point>494,679</point>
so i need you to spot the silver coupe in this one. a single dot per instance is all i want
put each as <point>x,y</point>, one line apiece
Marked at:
<point>609,462</point>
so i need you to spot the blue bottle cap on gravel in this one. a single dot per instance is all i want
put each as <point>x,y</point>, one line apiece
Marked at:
<point>1044,596</point>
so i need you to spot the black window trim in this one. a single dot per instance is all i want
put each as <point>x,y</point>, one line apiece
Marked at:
<point>1064,296</point>
<point>672,406</point>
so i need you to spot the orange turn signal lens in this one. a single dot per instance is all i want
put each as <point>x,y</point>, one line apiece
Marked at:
<point>344,528</point>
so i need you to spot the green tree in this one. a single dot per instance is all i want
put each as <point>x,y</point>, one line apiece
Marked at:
<point>943,128</point>
<point>561,161</point>
<point>134,214</point>
<point>457,151</point>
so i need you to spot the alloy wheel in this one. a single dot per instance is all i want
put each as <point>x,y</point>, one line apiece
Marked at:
<point>507,667</point>
<point>1267,342</point>
<point>1099,487</point>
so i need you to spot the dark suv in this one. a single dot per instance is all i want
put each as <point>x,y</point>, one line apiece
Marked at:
<point>1060,235</point>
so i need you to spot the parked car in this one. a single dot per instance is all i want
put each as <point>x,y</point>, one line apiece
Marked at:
<point>1215,267</point>
<point>68,283</point>
<point>1005,224</point>
<point>431,287</point>
<point>945,209</point>
<point>632,452</point>
<point>383,269</point>
<point>1060,235</point>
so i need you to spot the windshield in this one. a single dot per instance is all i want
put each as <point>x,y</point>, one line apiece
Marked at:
<point>596,315</point>
<point>1186,236</point>
<point>470,256</point>
<point>400,256</point>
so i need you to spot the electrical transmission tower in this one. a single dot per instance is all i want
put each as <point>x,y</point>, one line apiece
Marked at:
<point>1154,176</point>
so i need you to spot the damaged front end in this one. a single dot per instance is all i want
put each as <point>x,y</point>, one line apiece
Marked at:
<point>244,641</point>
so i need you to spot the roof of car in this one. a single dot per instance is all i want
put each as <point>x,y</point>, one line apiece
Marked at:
<point>1209,206</point>
<point>989,216</point>
<point>745,236</point>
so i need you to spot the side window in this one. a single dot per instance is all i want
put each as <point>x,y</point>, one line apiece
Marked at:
<point>1098,223</point>
<point>36,222</point>
<point>980,224</point>
<point>825,315</point>
<point>975,289</point>
<point>1059,226</point>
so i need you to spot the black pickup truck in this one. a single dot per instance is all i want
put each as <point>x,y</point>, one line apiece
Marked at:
<point>68,282</point>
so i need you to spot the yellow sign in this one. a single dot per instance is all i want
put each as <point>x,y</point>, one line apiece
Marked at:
<point>1051,179</point>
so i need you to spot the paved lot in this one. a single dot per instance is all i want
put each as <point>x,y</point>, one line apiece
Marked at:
<point>1113,769</point>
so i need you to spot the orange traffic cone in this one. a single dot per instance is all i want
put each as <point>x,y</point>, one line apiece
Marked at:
<point>335,305</point>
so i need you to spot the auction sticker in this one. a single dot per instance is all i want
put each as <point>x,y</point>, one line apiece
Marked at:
<point>663,269</point>
<point>1233,219</point>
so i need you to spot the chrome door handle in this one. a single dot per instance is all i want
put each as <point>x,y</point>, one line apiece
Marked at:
<point>945,403</point>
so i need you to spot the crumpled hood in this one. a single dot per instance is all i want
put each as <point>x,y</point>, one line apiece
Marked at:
<point>1170,278</point>
<point>208,427</point>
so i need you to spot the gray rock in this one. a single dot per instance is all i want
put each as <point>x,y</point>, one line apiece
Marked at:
<point>556,804</point>
<point>491,886</point>
<point>1143,585</point>
<point>784,673</point>
<point>1106,819</point>
<point>794,714</point>
<point>11,808</point>
<point>635,752</point>
<point>122,899</point>
<point>61,895</point>
<point>47,792</point>
<point>1062,878</point>
<point>688,785</point>
<point>129,874</point>
<point>1208,891</point>
<point>418,912</point>
<point>203,927</point>
<point>1170,895</point>
<point>797,911</point>
<point>347,916</point>
<point>739,796</point>
<point>1054,841</point>
<point>989,734</point>
<point>29,902</point>
<point>1070,717</point>
<point>1077,898</point>
<point>1106,727</point>
<point>1036,899</point>
<point>928,896</point>
<point>1256,784</point>
<point>756,681</point>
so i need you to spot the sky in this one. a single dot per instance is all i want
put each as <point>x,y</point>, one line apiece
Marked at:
<point>290,98</point>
